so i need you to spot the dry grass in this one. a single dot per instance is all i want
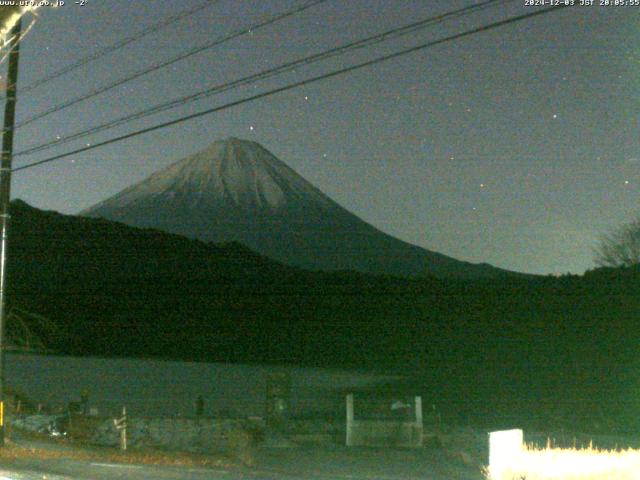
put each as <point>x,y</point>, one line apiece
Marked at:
<point>572,464</point>
<point>241,445</point>
<point>82,427</point>
<point>14,451</point>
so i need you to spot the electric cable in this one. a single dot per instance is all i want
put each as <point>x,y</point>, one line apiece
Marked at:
<point>171,61</point>
<point>280,69</point>
<point>118,45</point>
<point>300,83</point>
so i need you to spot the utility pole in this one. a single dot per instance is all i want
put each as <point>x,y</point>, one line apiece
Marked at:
<point>5,197</point>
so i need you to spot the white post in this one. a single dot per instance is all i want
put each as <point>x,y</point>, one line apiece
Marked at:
<point>349,440</point>
<point>505,449</point>
<point>419,427</point>
<point>123,429</point>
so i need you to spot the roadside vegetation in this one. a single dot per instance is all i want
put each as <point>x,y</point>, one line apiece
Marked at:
<point>573,464</point>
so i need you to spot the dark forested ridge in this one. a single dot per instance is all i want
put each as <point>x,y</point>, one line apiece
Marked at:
<point>543,348</point>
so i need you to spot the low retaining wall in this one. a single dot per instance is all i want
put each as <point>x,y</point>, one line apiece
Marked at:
<point>175,433</point>
<point>184,434</point>
<point>210,434</point>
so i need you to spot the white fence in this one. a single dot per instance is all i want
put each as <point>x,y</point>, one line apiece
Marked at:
<point>400,431</point>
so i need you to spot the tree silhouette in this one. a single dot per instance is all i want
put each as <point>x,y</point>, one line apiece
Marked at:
<point>620,247</point>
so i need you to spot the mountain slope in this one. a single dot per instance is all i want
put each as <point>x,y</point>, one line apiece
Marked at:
<point>116,290</point>
<point>236,190</point>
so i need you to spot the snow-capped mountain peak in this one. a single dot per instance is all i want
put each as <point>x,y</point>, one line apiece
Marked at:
<point>231,170</point>
<point>236,190</point>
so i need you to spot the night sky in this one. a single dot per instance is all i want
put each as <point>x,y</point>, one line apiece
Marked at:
<point>517,147</point>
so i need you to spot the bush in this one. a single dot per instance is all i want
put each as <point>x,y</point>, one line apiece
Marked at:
<point>241,445</point>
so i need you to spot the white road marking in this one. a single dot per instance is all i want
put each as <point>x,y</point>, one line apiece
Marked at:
<point>115,465</point>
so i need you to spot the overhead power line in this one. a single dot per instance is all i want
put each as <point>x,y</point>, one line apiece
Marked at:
<point>280,69</point>
<point>300,83</point>
<point>118,45</point>
<point>171,61</point>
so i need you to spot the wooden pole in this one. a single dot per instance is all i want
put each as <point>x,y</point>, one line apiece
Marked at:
<point>5,198</point>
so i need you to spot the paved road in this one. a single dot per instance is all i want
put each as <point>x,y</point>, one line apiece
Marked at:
<point>311,462</point>
<point>64,469</point>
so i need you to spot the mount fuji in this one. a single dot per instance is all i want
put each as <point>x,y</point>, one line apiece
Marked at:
<point>236,190</point>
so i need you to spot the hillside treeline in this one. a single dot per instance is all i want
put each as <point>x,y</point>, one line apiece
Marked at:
<point>537,350</point>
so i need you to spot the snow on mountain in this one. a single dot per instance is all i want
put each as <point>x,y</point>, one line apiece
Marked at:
<point>236,190</point>
<point>231,170</point>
